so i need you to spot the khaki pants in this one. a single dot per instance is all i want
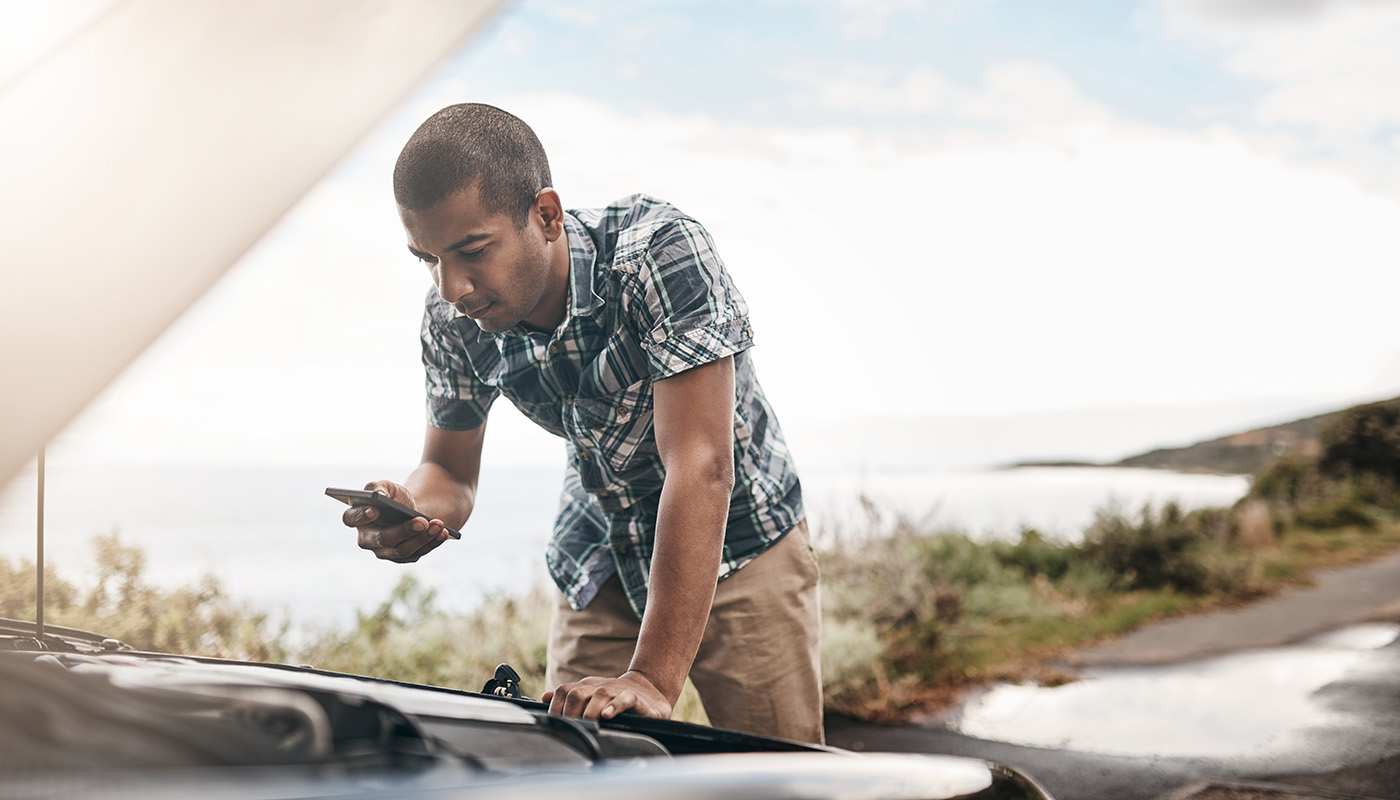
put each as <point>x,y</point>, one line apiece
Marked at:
<point>759,665</point>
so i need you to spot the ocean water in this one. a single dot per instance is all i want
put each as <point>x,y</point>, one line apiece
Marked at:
<point>273,539</point>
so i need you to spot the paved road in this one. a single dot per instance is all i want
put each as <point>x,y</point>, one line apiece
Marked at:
<point>1350,747</point>
<point>1337,598</point>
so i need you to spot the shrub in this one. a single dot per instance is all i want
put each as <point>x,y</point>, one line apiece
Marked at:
<point>1033,554</point>
<point>1365,439</point>
<point>891,584</point>
<point>1157,551</point>
<point>1289,481</point>
<point>196,619</point>
<point>1342,511</point>
<point>408,638</point>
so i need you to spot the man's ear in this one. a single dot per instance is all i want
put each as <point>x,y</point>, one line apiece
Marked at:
<point>549,209</point>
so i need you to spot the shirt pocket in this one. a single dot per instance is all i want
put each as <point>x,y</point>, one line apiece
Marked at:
<point>617,426</point>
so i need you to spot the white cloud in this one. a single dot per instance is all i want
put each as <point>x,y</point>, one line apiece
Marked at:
<point>1021,94</point>
<point>1014,101</point>
<point>865,20</point>
<point>1328,72</point>
<point>871,90</point>
<point>571,13</point>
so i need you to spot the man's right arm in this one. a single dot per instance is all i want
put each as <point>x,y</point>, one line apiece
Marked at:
<point>443,486</point>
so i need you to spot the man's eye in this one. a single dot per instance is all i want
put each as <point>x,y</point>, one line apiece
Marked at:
<point>427,261</point>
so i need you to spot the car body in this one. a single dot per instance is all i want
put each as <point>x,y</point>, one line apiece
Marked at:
<point>86,716</point>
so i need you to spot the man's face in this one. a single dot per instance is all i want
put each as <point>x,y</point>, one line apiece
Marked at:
<point>490,270</point>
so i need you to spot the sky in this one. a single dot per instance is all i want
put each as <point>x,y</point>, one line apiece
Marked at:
<point>972,211</point>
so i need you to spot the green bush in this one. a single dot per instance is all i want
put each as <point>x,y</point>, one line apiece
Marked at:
<point>1288,482</point>
<point>1365,439</point>
<point>196,619</point>
<point>891,584</point>
<point>1156,551</point>
<point>409,639</point>
<point>1347,510</point>
<point>1034,555</point>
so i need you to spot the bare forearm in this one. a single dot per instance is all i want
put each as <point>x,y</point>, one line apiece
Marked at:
<point>444,483</point>
<point>439,494</point>
<point>689,541</point>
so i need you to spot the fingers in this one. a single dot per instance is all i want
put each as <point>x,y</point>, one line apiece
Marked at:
<point>404,543</point>
<point>595,702</point>
<point>392,490</point>
<point>605,698</point>
<point>436,535</point>
<point>359,516</point>
<point>586,698</point>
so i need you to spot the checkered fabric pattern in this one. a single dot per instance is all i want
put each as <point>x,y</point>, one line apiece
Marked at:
<point>649,298</point>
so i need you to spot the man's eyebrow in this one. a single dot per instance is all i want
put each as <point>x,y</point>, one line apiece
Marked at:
<point>467,240</point>
<point>470,239</point>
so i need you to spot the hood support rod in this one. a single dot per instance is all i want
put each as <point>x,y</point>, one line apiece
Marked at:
<point>39,568</point>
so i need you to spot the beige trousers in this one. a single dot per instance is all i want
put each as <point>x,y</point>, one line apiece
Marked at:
<point>759,665</point>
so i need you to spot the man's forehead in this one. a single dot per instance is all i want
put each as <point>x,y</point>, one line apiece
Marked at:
<point>460,215</point>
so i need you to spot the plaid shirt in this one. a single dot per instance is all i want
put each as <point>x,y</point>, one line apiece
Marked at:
<point>648,298</point>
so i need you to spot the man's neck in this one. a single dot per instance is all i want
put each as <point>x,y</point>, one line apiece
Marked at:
<point>554,306</point>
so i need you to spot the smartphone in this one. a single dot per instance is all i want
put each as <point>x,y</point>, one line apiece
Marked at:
<point>390,511</point>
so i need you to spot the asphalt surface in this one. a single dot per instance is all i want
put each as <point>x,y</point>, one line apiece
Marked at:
<point>1337,598</point>
<point>1354,751</point>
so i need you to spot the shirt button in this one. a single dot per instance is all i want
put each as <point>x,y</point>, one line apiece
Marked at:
<point>569,399</point>
<point>622,413</point>
<point>554,349</point>
<point>748,332</point>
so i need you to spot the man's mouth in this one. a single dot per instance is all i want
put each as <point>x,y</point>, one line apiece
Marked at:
<point>476,313</point>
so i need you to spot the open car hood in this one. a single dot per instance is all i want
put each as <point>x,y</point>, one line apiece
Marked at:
<point>147,151</point>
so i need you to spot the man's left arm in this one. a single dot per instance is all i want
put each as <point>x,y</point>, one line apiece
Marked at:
<point>694,425</point>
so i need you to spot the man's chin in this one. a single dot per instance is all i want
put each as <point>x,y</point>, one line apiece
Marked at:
<point>494,324</point>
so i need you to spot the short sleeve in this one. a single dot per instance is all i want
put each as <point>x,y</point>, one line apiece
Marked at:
<point>458,400</point>
<point>683,303</point>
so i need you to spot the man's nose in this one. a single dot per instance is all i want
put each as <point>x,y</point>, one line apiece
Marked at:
<point>454,285</point>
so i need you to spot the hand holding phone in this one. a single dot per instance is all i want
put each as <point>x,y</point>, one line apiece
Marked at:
<point>387,523</point>
<point>391,511</point>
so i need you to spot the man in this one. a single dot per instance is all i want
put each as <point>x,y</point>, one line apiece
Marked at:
<point>680,546</point>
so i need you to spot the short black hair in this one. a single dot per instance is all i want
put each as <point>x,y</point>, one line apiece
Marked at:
<point>472,143</point>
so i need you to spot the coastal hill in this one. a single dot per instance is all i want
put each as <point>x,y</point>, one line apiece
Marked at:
<point>1247,452</point>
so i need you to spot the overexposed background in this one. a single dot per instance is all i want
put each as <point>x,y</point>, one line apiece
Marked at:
<point>1127,225</point>
<point>971,232</point>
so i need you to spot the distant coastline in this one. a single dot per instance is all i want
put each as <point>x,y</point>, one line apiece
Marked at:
<point>1243,453</point>
<point>1066,463</point>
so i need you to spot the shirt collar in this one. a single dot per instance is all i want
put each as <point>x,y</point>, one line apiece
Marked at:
<point>583,260</point>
